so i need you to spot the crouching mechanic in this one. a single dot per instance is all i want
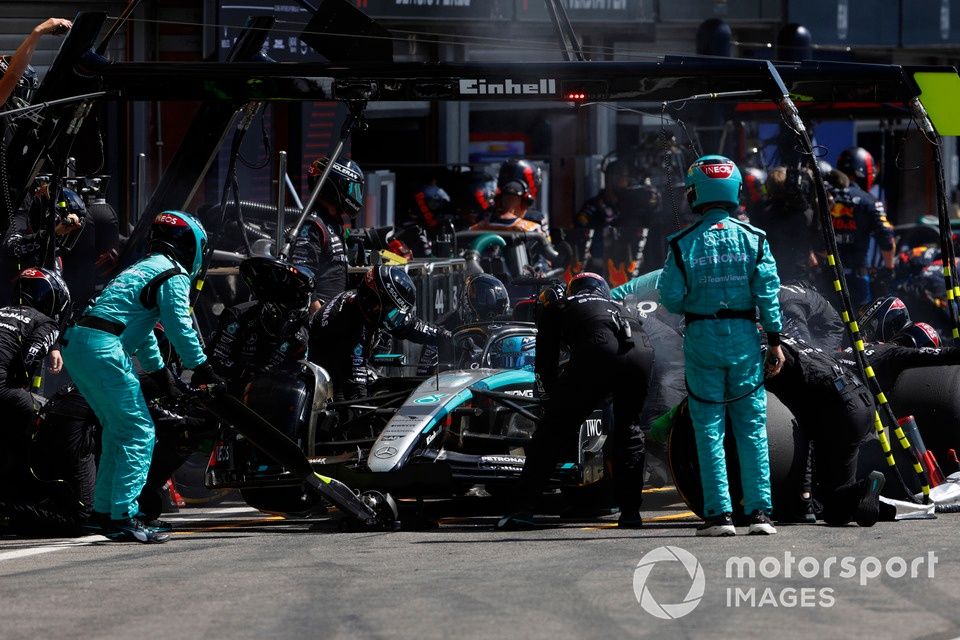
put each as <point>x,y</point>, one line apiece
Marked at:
<point>835,412</point>
<point>344,333</point>
<point>28,330</point>
<point>269,332</point>
<point>99,350</point>
<point>718,271</point>
<point>609,355</point>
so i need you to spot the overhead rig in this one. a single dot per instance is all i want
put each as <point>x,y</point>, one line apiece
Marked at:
<point>754,89</point>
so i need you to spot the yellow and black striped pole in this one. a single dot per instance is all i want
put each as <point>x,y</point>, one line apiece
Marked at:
<point>883,410</point>
<point>947,251</point>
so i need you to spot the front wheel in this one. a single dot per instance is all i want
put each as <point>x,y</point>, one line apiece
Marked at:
<point>385,513</point>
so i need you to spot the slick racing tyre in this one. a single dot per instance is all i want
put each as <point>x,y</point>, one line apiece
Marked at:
<point>932,396</point>
<point>787,461</point>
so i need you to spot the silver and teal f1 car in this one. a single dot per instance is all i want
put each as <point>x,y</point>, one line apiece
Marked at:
<point>439,436</point>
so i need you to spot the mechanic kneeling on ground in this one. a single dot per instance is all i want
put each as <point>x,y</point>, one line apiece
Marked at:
<point>269,332</point>
<point>609,355</point>
<point>344,333</point>
<point>718,271</point>
<point>98,352</point>
<point>835,411</point>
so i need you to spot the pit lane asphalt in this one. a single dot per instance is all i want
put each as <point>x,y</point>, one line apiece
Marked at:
<point>230,572</point>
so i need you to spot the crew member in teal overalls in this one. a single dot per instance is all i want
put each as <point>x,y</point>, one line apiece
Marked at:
<point>719,272</point>
<point>98,352</point>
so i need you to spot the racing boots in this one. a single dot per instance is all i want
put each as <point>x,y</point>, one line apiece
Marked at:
<point>124,529</point>
<point>868,510</point>
<point>154,523</point>
<point>760,524</point>
<point>717,526</point>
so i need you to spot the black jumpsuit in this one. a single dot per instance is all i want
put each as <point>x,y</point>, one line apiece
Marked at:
<point>793,233</point>
<point>890,360</point>
<point>90,254</point>
<point>341,341</point>
<point>241,346</point>
<point>808,316</point>
<point>26,336</point>
<point>834,409</point>
<point>433,355</point>
<point>321,248</point>
<point>604,362</point>
<point>25,244</point>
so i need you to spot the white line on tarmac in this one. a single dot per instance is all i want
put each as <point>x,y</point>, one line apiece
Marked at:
<point>49,548</point>
<point>188,515</point>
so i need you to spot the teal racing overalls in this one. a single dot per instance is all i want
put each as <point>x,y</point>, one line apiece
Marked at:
<point>644,287</point>
<point>719,272</point>
<point>98,352</point>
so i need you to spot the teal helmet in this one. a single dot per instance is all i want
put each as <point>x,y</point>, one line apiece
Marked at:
<point>713,179</point>
<point>180,237</point>
<point>514,352</point>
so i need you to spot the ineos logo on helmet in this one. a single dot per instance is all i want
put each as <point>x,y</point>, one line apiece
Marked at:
<point>179,236</point>
<point>166,218</point>
<point>720,170</point>
<point>44,290</point>
<point>713,181</point>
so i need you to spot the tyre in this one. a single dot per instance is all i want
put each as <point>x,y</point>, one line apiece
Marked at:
<point>932,396</point>
<point>787,460</point>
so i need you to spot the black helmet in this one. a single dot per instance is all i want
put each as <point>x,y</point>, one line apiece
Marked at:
<point>44,290</point>
<point>918,335</point>
<point>472,192</point>
<point>590,282</point>
<point>387,296</point>
<point>431,201</point>
<point>884,319</point>
<point>483,298</point>
<point>344,186</point>
<point>180,237</point>
<point>273,281</point>
<point>519,178</point>
<point>857,163</point>
<point>26,85</point>
<point>70,202</point>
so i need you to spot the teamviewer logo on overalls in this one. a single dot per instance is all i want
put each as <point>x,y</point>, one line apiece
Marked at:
<point>660,557</point>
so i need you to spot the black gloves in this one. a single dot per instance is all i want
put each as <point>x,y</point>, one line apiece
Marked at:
<point>204,374</point>
<point>159,384</point>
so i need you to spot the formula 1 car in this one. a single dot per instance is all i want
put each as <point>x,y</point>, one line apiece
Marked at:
<point>463,427</point>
